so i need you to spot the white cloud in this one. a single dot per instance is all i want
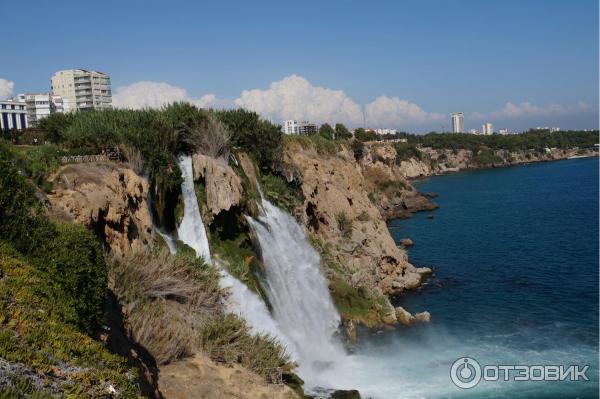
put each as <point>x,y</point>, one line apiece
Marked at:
<point>147,94</point>
<point>6,88</point>
<point>294,97</point>
<point>527,109</point>
<point>394,112</point>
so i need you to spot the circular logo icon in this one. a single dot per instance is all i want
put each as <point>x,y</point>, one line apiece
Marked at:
<point>465,372</point>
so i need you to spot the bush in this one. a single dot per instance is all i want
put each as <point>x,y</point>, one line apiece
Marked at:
<point>283,194</point>
<point>34,335</point>
<point>341,132</point>
<point>226,338</point>
<point>74,259</point>
<point>326,131</point>
<point>358,149</point>
<point>254,135</point>
<point>405,151</point>
<point>344,224</point>
<point>159,289</point>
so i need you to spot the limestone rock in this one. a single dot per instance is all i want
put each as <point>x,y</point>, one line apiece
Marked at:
<point>406,242</point>
<point>107,197</point>
<point>223,186</point>
<point>404,317</point>
<point>423,317</point>
<point>335,185</point>
<point>200,378</point>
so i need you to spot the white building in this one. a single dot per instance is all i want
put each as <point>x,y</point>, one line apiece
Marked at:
<point>503,131</point>
<point>458,122</point>
<point>386,131</point>
<point>302,128</point>
<point>290,126</point>
<point>40,105</point>
<point>83,89</point>
<point>13,115</point>
<point>487,129</point>
<point>473,131</point>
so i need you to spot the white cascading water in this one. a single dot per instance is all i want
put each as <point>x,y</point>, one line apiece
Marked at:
<point>240,300</point>
<point>297,291</point>
<point>191,230</point>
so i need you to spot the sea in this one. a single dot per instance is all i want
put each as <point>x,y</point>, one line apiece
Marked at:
<point>514,289</point>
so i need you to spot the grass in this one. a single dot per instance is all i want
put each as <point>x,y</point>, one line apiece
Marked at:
<point>240,260</point>
<point>158,289</point>
<point>227,339</point>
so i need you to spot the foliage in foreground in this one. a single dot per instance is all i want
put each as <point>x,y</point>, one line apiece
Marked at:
<point>33,334</point>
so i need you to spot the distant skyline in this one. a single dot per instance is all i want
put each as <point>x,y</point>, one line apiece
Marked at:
<point>404,65</point>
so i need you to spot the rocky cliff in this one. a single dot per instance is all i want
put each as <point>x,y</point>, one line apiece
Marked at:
<point>109,198</point>
<point>339,212</point>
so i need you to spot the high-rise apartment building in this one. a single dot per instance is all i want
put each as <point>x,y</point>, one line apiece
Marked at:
<point>487,128</point>
<point>458,122</point>
<point>83,89</point>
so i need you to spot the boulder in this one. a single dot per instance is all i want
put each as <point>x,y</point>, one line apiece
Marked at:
<point>223,185</point>
<point>423,317</point>
<point>403,316</point>
<point>406,242</point>
<point>348,394</point>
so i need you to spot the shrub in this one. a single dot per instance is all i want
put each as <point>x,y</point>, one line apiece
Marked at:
<point>358,149</point>
<point>73,256</point>
<point>344,224</point>
<point>405,151</point>
<point>326,131</point>
<point>159,289</point>
<point>227,338</point>
<point>254,135</point>
<point>33,334</point>
<point>283,194</point>
<point>341,132</point>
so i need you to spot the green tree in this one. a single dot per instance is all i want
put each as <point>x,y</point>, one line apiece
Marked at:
<point>341,132</point>
<point>327,131</point>
<point>362,135</point>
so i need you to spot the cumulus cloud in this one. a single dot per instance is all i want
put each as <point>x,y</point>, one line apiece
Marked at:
<point>527,109</point>
<point>294,97</point>
<point>395,112</point>
<point>6,88</point>
<point>146,94</point>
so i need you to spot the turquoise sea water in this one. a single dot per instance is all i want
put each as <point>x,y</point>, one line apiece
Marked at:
<point>515,259</point>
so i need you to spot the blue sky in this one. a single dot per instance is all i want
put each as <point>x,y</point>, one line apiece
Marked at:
<point>402,64</point>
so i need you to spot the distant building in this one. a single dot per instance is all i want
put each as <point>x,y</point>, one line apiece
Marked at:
<point>385,131</point>
<point>458,122</point>
<point>302,128</point>
<point>83,89</point>
<point>40,105</point>
<point>13,115</point>
<point>473,131</point>
<point>503,131</point>
<point>487,129</point>
<point>551,129</point>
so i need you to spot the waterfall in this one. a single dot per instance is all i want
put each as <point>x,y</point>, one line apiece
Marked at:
<point>191,227</point>
<point>298,294</point>
<point>240,300</point>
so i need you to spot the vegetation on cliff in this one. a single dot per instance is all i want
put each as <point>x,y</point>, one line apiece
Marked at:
<point>52,295</point>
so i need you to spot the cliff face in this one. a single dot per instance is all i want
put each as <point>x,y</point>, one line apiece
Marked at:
<point>109,198</point>
<point>338,210</point>
<point>223,186</point>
